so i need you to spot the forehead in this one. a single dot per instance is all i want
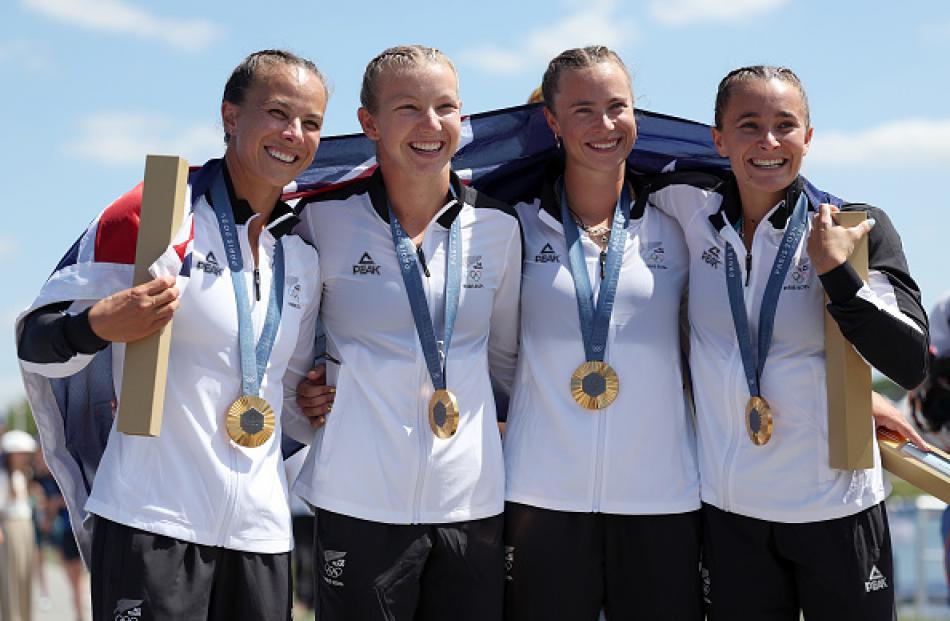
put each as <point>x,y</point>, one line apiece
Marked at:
<point>289,83</point>
<point>757,96</point>
<point>424,79</point>
<point>603,78</point>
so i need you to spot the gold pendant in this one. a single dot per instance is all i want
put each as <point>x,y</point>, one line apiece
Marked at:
<point>443,414</point>
<point>758,420</point>
<point>594,385</point>
<point>250,421</point>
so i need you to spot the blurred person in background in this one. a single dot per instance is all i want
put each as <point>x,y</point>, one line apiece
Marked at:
<point>40,485</point>
<point>52,518</point>
<point>17,538</point>
<point>929,403</point>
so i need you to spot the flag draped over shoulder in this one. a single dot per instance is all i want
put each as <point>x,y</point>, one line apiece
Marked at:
<point>503,153</point>
<point>74,402</point>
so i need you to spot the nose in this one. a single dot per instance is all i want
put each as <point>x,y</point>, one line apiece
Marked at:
<point>293,132</point>
<point>606,121</point>
<point>431,119</point>
<point>769,140</point>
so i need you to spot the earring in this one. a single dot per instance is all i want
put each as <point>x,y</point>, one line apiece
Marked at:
<point>557,142</point>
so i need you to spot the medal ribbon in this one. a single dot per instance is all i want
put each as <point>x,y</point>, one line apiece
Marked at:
<point>406,255</point>
<point>754,361</point>
<point>595,321</point>
<point>253,362</point>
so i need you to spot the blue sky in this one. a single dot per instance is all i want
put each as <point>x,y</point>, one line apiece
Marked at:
<point>91,86</point>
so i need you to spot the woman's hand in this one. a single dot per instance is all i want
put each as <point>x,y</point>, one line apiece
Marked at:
<point>135,313</point>
<point>830,245</point>
<point>314,397</point>
<point>889,417</point>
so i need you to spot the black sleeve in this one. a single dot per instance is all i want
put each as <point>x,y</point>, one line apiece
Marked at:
<point>50,334</point>
<point>888,343</point>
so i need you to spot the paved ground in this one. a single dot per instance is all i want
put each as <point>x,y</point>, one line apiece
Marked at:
<point>58,606</point>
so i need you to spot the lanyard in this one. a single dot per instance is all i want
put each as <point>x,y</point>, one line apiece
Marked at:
<point>595,321</point>
<point>754,361</point>
<point>253,362</point>
<point>406,255</point>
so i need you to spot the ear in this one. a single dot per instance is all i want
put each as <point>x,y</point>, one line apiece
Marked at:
<point>808,134</point>
<point>717,142</point>
<point>368,123</point>
<point>552,121</point>
<point>229,115</point>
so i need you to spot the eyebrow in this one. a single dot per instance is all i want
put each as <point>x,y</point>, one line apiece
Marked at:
<point>754,115</point>
<point>590,102</point>
<point>284,103</point>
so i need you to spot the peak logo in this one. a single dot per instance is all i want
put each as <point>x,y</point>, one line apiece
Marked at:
<point>876,580</point>
<point>366,266</point>
<point>547,255</point>
<point>210,265</point>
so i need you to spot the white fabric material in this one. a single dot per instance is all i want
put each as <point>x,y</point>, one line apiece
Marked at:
<point>192,483</point>
<point>788,479</point>
<point>638,455</point>
<point>376,458</point>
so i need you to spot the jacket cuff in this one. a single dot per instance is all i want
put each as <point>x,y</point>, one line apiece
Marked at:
<point>841,284</point>
<point>80,336</point>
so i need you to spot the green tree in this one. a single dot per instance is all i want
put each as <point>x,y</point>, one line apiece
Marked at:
<point>20,416</point>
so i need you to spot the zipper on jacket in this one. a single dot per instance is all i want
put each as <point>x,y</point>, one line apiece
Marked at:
<point>422,261</point>
<point>599,455</point>
<point>748,267</point>
<point>603,263</point>
<point>230,498</point>
<point>257,284</point>
<point>736,427</point>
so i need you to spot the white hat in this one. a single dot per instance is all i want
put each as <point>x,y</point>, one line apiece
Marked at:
<point>940,327</point>
<point>17,441</point>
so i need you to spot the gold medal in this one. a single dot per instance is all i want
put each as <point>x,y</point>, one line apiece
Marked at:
<point>758,420</point>
<point>250,421</point>
<point>594,385</point>
<point>443,414</point>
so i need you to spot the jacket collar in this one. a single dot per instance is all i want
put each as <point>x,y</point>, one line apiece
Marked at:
<point>282,218</point>
<point>551,202</point>
<point>450,210</point>
<point>730,210</point>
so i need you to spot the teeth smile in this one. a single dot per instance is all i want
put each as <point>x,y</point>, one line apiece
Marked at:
<point>605,145</point>
<point>283,157</point>
<point>768,163</point>
<point>428,147</point>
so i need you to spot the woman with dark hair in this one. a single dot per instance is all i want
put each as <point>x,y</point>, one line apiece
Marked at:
<point>784,533</point>
<point>602,483</point>
<point>195,524</point>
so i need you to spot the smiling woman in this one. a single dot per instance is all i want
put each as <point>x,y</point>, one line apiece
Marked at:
<point>193,524</point>
<point>591,522</point>
<point>784,533</point>
<point>421,277</point>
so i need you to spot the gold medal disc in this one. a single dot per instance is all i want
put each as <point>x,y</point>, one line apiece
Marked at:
<point>594,385</point>
<point>758,420</point>
<point>250,421</point>
<point>443,414</point>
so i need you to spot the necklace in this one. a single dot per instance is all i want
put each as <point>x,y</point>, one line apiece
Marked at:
<point>598,234</point>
